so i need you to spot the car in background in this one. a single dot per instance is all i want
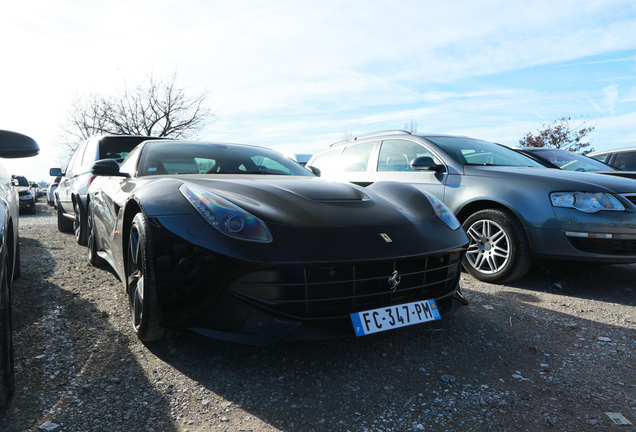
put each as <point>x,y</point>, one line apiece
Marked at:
<point>623,158</point>
<point>36,190</point>
<point>302,158</point>
<point>12,145</point>
<point>70,195</point>
<point>26,193</point>
<point>241,243</point>
<point>513,208</point>
<point>50,190</point>
<point>572,161</point>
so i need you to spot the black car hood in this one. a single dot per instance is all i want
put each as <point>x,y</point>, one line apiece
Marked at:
<point>303,201</point>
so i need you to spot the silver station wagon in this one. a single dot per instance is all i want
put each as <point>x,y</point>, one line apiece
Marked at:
<point>512,208</point>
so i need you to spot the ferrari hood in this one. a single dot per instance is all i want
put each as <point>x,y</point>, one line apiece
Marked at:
<point>308,201</point>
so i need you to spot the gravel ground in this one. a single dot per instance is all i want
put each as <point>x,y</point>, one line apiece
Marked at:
<point>555,351</point>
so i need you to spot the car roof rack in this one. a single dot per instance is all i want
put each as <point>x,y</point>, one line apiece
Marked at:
<point>385,132</point>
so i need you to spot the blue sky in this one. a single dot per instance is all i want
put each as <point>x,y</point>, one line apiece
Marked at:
<point>298,75</point>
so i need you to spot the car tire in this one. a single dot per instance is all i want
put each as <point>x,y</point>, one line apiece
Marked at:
<point>498,251</point>
<point>93,258</point>
<point>7,382</point>
<point>141,283</point>
<point>79,224</point>
<point>63,224</point>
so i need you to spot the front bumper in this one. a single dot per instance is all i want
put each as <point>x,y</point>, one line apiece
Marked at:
<point>258,303</point>
<point>604,237</point>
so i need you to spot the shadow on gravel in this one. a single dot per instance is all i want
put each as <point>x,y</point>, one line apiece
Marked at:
<point>607,283</point>
<point>503,363</point>
<point>69,359</point>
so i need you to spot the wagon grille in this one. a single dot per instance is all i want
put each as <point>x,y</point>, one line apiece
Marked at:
<point>631,197</point>
<point>604,246</point>
<point>338,289</point>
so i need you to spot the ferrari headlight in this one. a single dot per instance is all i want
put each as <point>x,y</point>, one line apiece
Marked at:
<point>443,212</point>
<point>226,217</point>
<point>587,202</point>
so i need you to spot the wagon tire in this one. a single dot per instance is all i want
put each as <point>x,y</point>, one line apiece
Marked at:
<point>498,251</point>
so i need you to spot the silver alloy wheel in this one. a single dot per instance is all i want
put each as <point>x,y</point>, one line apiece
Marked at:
<point>489,248</point>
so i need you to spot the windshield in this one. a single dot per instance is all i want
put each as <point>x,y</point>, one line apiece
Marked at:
<point>470,151</point>
<point>23,181</point>
<point>170,157</point>
<point>570,161</point>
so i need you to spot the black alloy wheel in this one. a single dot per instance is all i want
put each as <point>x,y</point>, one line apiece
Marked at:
<point>499,250</point>
<point>79,224</point>
<point>141,285</point>
<point>7,382</point>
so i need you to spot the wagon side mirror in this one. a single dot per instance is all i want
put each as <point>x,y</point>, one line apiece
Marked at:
<point>426,163</point>
<point>54,172</point>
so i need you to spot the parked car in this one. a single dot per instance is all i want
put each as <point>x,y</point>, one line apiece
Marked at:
<point>572,161</point>
<point>70,195</point>
<point>50,190</point>
<point>513,208</point>
<point>36,190</point>
<point>622,158</point>
<point>12,145</point>
<point>26,193</point>
<point>241,243</point>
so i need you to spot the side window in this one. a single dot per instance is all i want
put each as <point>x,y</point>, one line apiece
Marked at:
<point>76,160</point>
<point>396,155</point>
<point>129,164</point>
<point>327,161</point>
<point>625,161</point>
<point>601,157</point>
<point>355,158</point>
<point>90,153</point>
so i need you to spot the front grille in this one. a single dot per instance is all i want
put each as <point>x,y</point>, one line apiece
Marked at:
<point>631,197</point>
<point>604,246</point>
<point>337,289</point>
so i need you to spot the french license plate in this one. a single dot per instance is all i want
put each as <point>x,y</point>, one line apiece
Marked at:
<point>387,318</point>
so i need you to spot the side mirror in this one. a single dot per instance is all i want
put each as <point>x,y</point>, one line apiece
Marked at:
<point>107,168</point>
<point>16,145</point>
<point>426,163</point>
<point>313,169</point>
<point>54,172</point>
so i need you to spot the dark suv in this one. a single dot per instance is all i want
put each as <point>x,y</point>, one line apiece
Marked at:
<point>70,195</point>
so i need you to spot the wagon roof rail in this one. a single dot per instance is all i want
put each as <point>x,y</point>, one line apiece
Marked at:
<point>356,137</point>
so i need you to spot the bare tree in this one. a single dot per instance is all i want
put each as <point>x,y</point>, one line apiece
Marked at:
<point>157,107</point>
<point>561,134</point>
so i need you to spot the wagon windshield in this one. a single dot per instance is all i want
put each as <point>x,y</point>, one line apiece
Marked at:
<point>468,151</point>
<point>173,158</point>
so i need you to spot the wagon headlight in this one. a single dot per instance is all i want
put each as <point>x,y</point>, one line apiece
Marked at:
<point>587,202</point>
<point>443,212</point>
<point>226,217</point>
